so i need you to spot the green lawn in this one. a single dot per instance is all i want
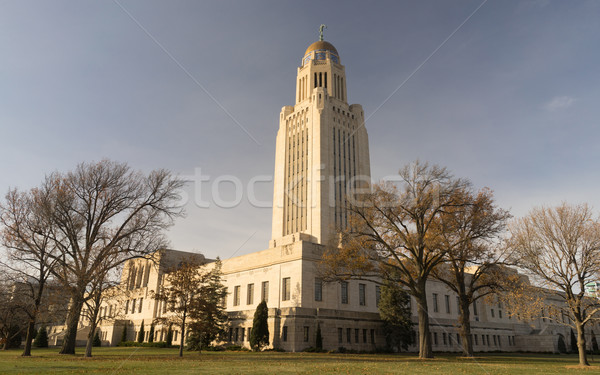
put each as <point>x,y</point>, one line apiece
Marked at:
<point>165,361</point>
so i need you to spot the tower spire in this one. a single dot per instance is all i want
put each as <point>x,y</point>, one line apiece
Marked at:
<point>323,26</point>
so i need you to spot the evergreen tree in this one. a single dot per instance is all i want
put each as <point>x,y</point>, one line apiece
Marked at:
<point>41,339</point>
<point>140,337</point>
<point>169,338</point>
<point>259,337</point>
<point>151,333</point>
<point>319,344</point>
<point>124,334</point>
<point>573,343</point>
<point>97,342</point>
<point>394,309</point>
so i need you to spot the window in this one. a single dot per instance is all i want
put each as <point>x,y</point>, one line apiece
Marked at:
<point>318,290</point>
<point>458,338</point>
<point>435,339</point>
<point>475,312</point>
<point>285,289</point>
<point>175,335</point>
<point>494,336</point>
<point>475,337</point>
<point>364,336</point>
<point>445,338</point>
<point>306,333</point>
<point>447,298</point>
<point>243,333</point>
<point>377,295</point>
<point>362,294</point>
<point>356,330</point>
<point>435,302</point>
<point>492,312</point>
<point>500,314</point>
<point>250,296</point>
<point>237,332</point>
<point>349,335</point>
<point>264,292</point>
<point>230,334</point>
<point>372,336</point>
<point>250,331</point>
<point>140,307</point>
<point>340,335</point>
<point>133,306</point>
<point>126,306</point>
<point>284,333</point>
<point>236,295</point>
<point>487,337</point>
<point>344,286</point>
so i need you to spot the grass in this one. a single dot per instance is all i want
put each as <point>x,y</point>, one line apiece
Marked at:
<point>165,361</point>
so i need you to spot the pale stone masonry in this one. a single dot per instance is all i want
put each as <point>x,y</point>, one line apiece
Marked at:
<point>322,154</point>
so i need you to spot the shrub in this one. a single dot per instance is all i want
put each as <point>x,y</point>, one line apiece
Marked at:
<point>319,343</point>
<point>41,339</point>
<point>140,337</point>
<point>97,342</point>
<point>259,336</point>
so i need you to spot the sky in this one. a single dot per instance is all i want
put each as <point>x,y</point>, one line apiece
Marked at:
<point>503,93</point>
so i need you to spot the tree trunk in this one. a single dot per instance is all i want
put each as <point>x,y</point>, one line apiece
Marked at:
<point>29,340</point>
<point>90,340</point>
<point>581,345</point>
<point>182,340</point>
<point>425,350</point>
<point>68,345</point>
<point>465,326</point>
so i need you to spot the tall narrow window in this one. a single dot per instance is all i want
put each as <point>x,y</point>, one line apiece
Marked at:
<point>447,300</point>
<point>141,304</point>
<point>316,80</point>
<point>264,292</point>
<point>320,79</point>
<point>362,294</point>
<point>236,295</point>
<point>435,302</point>
<point>340,334</point>
<point>318,290</point>
<point>349,335</point>
<point>250,295</point>
<point>306,333</point>
<point>344,289</point>
<point>284,333</point>
<point>325,79</point>
<point>285,289</point>
<point>377,295</point>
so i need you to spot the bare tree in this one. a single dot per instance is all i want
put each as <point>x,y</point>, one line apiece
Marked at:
<point>26,233</point>
<point>393,234</point>
<point>473,262</point>
<point>103,214</point>
<point>559,248</point>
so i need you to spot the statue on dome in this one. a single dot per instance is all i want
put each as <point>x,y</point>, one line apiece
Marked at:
<point>321,31</point>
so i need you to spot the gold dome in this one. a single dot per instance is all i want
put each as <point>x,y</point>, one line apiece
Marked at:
<point>321,44</point>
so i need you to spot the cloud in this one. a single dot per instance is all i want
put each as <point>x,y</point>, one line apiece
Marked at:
<point>559,102</point>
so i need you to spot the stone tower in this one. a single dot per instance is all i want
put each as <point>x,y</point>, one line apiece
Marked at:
<point>322,152</point>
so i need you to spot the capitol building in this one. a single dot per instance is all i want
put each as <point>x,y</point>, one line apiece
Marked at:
<point>322,155</point>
